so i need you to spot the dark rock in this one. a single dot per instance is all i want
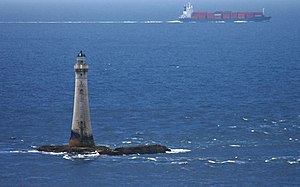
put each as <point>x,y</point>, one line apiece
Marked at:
<point>146,149</point>
<point>70,149</point>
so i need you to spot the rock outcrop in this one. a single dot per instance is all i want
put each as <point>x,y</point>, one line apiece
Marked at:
<point>145,149</point>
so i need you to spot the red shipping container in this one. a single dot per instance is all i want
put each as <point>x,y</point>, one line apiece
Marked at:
<point>250,15</point>
<point>202,13</point>
<point>241,15</point>
<point>234,15</point>
<point>198,15</point>
<point>195,15</point>
<point>226,16</point>
<point>210,16</point>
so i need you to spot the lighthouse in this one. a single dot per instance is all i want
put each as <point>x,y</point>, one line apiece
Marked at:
<point>81,140</point>
<point>81,132</point>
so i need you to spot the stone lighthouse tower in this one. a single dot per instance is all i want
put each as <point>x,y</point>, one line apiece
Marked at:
<point>81,133</point>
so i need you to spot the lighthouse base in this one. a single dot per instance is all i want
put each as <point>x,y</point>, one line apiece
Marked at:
<point>145,149</point>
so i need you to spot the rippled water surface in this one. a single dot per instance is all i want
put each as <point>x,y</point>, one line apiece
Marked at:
<point>224,97</point>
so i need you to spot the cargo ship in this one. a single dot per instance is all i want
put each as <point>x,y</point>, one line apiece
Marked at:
<point>188,15</point>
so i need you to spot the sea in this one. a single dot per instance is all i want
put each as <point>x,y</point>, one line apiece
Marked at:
<point>225,98</point>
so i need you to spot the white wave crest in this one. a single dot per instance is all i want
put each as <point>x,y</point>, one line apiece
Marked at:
<point>67,157</point>
<point>174,21</point>
<point>126,142</point>
<point>24,151</point>
<point>85,22</point>
<point>226,162</point>
<point>52,153</point>
<point>33,151</point>
<point>174,151</point>
<point>151,159</point>
<point>293,162</point>
<point>88,156</point>
<point>152,22</point>
<point>235,145</point>
<point>179,163</point>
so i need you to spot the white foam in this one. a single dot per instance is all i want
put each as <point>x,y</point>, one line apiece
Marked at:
<point>52,153</point>
<point>240,21</point>
<point>33,151</point>
<point>245,119</point>
<point>129,22</point>
<point>89,156</point>
<point>235,145</point>
<point>211,161</point>
<point>269,160</point>
<point>152,159</point>
<point>232,127</point>
<point>175,21</point>
<point>174,151</point>
<point>226,162</point>
<point>67,157</point>
<point>83,22</point>
<point>151,22</point>
<point>82,156</point>
<point>180,163</point>
<point>293,162</point>
<point>220,22</point>
<point>17,151</point>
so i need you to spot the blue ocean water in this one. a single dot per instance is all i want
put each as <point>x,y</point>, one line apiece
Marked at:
<point>223,97</point>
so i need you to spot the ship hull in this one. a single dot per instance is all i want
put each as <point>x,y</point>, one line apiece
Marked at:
<point>258,19</point>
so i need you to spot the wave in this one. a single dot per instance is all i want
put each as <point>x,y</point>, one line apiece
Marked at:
<point>174,151</point>
<point>92,22</point>
<point>151,159</point>
<point>88,156</point>
<point>226,162</point>
<point>174,21</point>
<point>179,163</point>
<point>151,22</point>
<point>165,159</point>
<point>288,159</point>
<point>233,145</point>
